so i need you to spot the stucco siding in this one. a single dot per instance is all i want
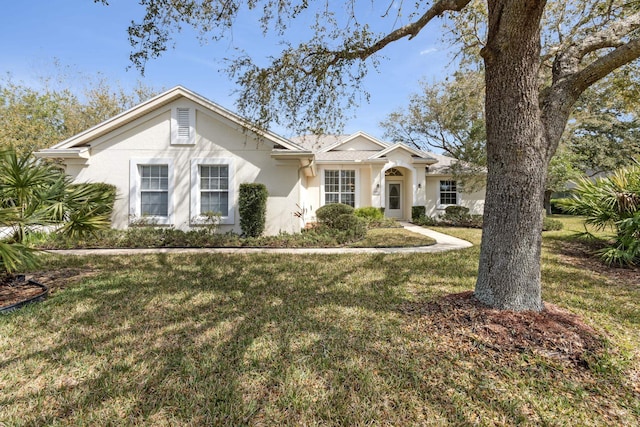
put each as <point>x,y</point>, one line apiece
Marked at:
<point>474,201</point>
<point>149,138</point>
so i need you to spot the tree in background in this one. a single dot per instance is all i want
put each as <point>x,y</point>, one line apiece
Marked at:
<point>530,89</point>
<point>32,118</point>
<point>448,117</point>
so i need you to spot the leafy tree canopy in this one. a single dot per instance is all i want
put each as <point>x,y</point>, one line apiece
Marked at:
<point>32,118</point>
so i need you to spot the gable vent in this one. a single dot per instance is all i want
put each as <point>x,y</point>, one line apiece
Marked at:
<point>184,129</point>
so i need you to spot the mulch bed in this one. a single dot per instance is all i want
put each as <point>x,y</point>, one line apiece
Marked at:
<point>553,332</point>
<point>13,290</point>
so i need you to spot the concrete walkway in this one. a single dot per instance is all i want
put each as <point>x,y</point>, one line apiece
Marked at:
<point>444,243</point>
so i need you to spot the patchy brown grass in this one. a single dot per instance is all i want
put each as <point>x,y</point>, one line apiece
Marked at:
<point>204,339</point>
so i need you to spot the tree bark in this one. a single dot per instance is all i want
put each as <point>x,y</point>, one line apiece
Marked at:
<point>509,271</point>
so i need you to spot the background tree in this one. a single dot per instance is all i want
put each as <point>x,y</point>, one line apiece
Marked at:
<point>448,117</point>
<point>530,90</point>
<point>32,118</point>
<point>604,130</point>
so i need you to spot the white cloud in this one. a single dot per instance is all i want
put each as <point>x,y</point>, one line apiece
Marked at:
<point>428,51</point>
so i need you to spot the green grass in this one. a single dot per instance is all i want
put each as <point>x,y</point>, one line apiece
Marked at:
<point>392,238</point>
<point>301,340</point>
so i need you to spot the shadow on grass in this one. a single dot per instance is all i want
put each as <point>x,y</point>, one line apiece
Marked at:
<point>252,339</point>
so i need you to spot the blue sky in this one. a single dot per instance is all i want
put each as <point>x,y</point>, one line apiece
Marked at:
<point>91,39</point>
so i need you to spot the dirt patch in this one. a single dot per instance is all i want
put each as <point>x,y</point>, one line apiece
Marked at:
<point>553,332</point>
<point>13,291</point>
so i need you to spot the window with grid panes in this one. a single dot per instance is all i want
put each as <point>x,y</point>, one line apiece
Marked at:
<point>214,189</point>
<point>154,190</point>
<point>340,187</point>
<point>448,192</point>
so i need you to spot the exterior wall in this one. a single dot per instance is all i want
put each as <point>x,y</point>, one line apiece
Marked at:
<point>315,187</point>
<point>216,138</point>
<point>473,201</point>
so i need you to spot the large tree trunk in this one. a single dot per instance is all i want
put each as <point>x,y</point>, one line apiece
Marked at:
<point>509,272</point>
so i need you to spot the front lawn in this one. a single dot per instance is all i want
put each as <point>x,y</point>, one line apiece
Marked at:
<point>270,339</point>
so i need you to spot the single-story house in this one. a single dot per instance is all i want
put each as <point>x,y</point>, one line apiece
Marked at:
<point>178,155</point>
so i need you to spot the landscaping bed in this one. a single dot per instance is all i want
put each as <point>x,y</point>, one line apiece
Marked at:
<point>15,292</point>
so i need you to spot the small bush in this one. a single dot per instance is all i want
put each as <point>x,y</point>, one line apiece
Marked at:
<point>252,206</point>
<point>458,216</point>
<point>425,221</point>
<point>348,222</point>
<point>328,214</point>
<point>456,210</point>
<point>418,212</point>
<point>369,213</point>
<point>550,224</point>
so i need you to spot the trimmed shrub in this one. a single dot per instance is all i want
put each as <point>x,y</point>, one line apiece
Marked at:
<point>346,222</point>
<point>328,214</point>
<point>425,221</point>
<point>456,210</point>
<point>550,224</point>
<point>252,206</point>
<point>369,213</point>
<point>418,212</point>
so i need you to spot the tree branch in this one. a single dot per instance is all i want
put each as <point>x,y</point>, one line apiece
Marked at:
<point>410,30</point>
<point>568,60</point>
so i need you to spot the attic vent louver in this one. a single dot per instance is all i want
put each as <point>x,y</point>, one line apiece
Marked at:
<point>184,130</point>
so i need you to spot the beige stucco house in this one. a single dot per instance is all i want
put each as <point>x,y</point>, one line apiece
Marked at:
<point>178,155</point>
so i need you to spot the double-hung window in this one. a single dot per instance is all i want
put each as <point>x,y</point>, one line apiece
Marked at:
<point>212,189</point>
<point>448,193</point>
<point>340,187</point>
<point>154,190</point>
<point>151,190</point>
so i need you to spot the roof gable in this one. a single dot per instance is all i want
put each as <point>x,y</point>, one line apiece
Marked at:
<point>400,146</point>
<point>152,105</point>
<point>359,141</point>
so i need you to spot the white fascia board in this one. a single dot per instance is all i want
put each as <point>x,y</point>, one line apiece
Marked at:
<point>63,153</point>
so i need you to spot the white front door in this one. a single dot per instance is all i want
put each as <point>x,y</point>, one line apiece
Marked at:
<point>394,199</point>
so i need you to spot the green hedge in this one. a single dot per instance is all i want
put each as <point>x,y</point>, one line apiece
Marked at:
<point>369,213</point>
<point>418,212</point>
<point>253,208</point>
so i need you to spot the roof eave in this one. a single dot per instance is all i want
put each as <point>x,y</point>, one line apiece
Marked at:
<point>63,153</point>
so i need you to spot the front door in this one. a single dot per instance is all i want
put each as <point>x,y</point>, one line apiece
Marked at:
<point>394,200</point>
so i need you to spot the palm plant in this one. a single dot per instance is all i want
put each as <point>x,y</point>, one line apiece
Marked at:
<point>613,201</point>
<point>36,195</point>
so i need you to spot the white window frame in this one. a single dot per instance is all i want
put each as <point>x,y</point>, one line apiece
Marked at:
<point>135,189</point>
<point>441,205</point>
<point>356,195</point>
<point>176,139</point>
<point>195,214</point>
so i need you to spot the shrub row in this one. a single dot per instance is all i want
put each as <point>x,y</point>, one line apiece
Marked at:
<point>459,216</point>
